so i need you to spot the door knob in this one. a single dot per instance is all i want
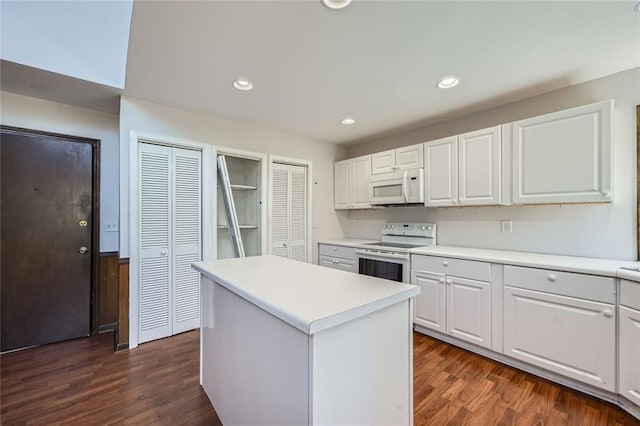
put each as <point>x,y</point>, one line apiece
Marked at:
<point>83,250</point>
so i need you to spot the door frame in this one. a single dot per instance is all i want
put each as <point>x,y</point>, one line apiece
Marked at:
<point>208,250</point>
<point>309,216</point>
<point>95,209</point>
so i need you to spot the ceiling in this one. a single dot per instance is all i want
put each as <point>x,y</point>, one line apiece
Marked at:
<point>375,61</point>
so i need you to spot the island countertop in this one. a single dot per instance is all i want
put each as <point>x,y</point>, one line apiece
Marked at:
<point>306,296</point>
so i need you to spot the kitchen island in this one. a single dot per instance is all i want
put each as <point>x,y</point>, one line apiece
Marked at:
<point>286,342</point>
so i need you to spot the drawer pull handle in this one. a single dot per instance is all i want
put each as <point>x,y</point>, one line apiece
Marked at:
<point>445,263</point>
<point>607,313</point>
<point>552,277</point>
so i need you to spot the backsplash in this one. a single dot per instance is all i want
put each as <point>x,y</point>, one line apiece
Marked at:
<point>572,230</point>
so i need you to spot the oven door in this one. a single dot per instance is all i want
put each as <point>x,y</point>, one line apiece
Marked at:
<point>390,266</point>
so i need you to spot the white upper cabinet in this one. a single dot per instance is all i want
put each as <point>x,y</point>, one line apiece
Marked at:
<point>564,157</point>
<point>464,170</point>
<point>342,184</point>
<point>480,167</point>
<point>351,183</point>
<point>405,158</point>
<point>441,174</point>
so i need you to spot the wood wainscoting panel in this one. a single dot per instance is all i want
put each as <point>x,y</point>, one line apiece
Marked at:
<point>107,298</point>
<point>122,335</point>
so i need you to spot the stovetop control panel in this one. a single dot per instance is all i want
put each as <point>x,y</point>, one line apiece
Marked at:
<point>410,229</point>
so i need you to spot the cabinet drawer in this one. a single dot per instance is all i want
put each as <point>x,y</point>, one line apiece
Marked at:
<point>338,263</point>
<point>337,251</point>
<point>630,294</point>
<point>590,287</point>
<point>471,269</point>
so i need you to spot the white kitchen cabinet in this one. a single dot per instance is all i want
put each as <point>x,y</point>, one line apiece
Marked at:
<point>441,172</point>
<point>629,365</point>
<point>337,257</point>
<point>464,170</point>
<point>405,158</point>
<point>341,184</point>
<point>564,157</point>
<point>459,306</point>
<point>479,165</point>
<point>567,335</point>
<point>351,183</point>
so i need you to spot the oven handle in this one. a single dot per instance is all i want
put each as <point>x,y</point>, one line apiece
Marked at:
<point>382,255</point>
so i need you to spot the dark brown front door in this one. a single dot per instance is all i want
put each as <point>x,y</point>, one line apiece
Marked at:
<point>46,236</point>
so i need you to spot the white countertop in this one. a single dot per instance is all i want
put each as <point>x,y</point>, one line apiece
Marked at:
<point>587,265</point>
<point>309,297</point>
<point>347,242</point>
<point>629,275</point>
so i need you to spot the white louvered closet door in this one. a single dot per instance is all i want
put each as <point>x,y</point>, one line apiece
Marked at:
<point>170,240</point>
<point>186,239</point>
<point>155,169</point>
<point>289,211</point>
<point>280,210</point>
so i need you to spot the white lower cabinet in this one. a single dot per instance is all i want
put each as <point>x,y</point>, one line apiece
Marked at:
<point>337,257</point>
<point>459,307</point>
<point>569,336</point>
<point>629,365</point>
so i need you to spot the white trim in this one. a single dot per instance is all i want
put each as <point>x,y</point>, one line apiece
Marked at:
<point>208,206</point>
<point>296,162</point>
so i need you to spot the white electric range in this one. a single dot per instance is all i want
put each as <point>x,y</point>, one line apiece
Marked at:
<point>390,258</point>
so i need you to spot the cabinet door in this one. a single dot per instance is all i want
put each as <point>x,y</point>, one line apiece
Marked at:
<point>341,184</point>
<point>569,336</point>
<point>360,176</point>
<point>480,167</point>
<point>346,265</point>
<point>441,159</point>
<point>410,157</point>
<point>383,162</point>
<point>563,157</point>
<point>629,374</point>
<point>469,310</point>
<point>429,306</point>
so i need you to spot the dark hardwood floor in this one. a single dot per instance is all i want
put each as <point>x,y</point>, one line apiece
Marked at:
<point>83,382</point>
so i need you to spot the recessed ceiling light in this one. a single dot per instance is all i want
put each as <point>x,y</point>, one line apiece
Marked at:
<point>242,84</point>
<point>448,82</point>
<point>348,121</point>
<point>637,7</point>
<point>336,4</point>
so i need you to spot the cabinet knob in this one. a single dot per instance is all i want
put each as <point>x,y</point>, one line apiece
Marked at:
<point>449,282</point>
<point>163,252</point>
<point>551,277</point>
<point>607,313</point>
<point>441,280</point>
<point>445,263</point>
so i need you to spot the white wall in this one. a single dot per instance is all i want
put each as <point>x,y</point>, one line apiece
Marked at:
<point>162,120</point>
<point>37,114</point>
<point>594,230</point>
<point>83,39</point>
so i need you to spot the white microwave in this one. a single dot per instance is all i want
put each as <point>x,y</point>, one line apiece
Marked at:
<point>394,188</point>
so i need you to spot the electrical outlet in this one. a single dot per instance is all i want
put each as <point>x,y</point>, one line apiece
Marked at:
<point>506,226</point>
<point>111,226</point>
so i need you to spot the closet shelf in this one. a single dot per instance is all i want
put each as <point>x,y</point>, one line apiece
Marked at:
<point>244,187</point>
<point>241,226</point>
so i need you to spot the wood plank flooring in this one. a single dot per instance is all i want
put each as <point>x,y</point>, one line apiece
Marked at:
<point>83,382</point>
